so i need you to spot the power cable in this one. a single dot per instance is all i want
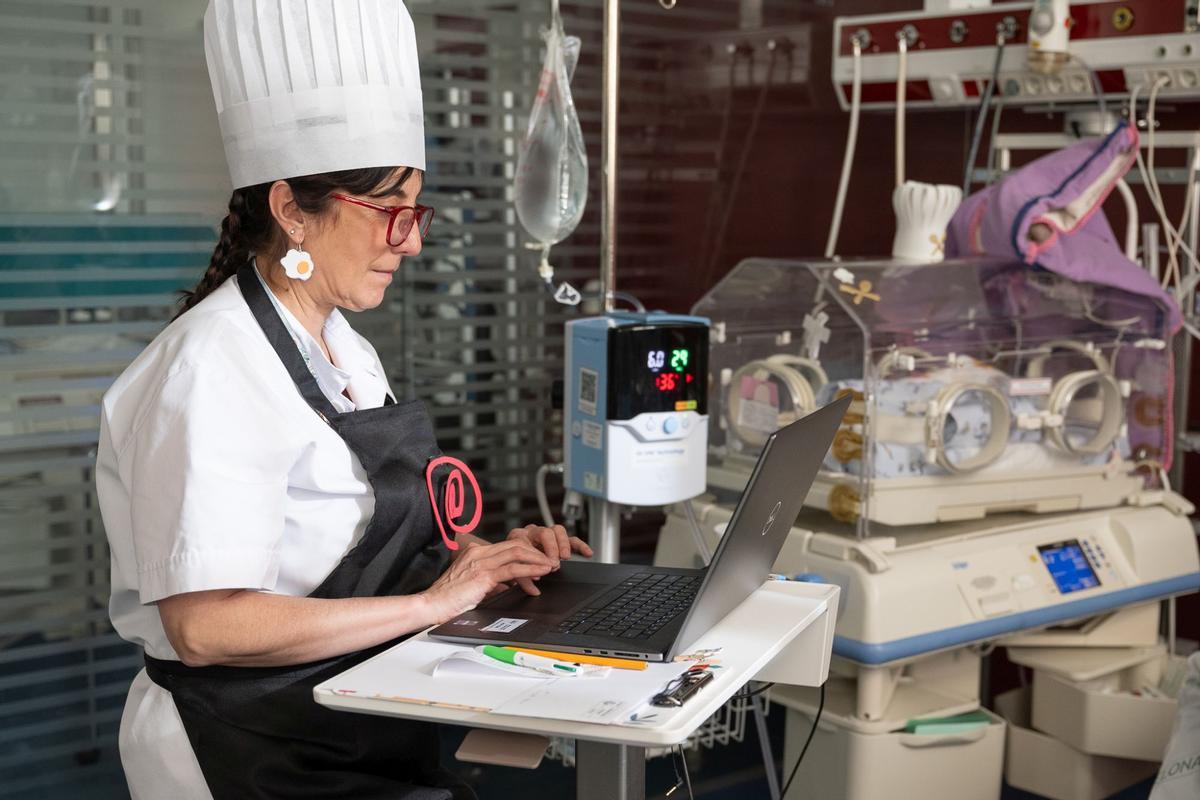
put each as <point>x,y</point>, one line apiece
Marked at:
<point>807,742</point>
<point>839,203</point>
<point>743,160</point>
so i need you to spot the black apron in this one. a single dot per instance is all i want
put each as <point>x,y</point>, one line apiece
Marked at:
<point>256,731</point>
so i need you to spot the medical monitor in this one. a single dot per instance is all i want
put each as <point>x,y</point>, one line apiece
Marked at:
<point>1068,566</point>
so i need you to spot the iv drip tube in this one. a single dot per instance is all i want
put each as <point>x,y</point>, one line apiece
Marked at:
<point>540,489</point>
<point>984,104</point>
<point>1131,219</point>
<point>1174,237</point>
<point>739,172</point>
<point>715,196</point>
<point>1156,192</point>
<point>839,203</point>
<point>1097,86</point>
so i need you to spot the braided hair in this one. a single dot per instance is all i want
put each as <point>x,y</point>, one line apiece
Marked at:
<point>250,228</point>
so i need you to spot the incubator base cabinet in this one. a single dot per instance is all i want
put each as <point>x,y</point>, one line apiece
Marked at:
<point>848,764</point>
<point>1094,699</point>
<point>1087,729</point>
<point>918,604</point>
<point>1039,763</point>
<point>861,759</point>
<point>1056,742</point>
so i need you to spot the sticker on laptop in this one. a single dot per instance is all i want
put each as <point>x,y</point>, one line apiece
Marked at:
<point>504,625</point>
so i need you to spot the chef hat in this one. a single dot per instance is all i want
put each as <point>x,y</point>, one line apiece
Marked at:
<point>310,86</point>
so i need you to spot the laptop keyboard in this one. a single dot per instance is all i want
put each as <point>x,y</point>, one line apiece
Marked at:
<point>636,608</point>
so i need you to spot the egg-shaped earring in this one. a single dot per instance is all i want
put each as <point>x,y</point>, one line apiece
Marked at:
<point>297,264</point>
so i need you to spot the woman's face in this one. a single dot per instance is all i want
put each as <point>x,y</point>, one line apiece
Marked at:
<point>353,262</point>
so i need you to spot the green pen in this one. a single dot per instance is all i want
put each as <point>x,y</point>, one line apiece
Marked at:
<point>547,666</point>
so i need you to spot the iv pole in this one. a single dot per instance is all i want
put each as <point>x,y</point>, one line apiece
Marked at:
<point>604,521</point>
<point>621,767</point>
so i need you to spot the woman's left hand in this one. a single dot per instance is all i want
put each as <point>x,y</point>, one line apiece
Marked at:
<point>554,542</point>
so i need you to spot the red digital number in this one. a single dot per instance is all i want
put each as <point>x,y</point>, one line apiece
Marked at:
<point>666,381</point>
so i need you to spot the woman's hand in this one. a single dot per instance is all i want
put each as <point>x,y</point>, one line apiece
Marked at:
<point>479,570</point>
<point>554,542</point>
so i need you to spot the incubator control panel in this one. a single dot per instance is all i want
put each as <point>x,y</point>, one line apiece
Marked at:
<point>907,595</point>
<point>1040,569</point>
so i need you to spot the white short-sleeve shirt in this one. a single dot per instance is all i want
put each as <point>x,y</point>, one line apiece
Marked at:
<point>214,473</point>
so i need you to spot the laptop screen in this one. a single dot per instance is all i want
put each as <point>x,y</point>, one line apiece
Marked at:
<point>768,507</point>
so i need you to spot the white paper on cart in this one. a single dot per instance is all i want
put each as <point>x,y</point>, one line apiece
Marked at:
<point>602,702</point>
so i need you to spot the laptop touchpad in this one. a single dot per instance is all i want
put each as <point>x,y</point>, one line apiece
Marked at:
<point>557,597</point>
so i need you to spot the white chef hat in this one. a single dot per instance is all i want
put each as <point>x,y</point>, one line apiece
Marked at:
<point>309,86</point>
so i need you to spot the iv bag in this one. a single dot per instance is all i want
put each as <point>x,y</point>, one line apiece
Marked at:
<point>551,182</point>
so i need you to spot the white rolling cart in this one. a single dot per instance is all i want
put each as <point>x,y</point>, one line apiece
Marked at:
<point>782,632</point>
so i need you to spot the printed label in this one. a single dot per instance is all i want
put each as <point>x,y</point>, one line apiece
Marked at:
<point>593,482</point>
<point>658,455</point>
<point>504,625</point>
<point>589,383</point>
<point>1030,387</point>
<point>593,435</point>
<point>604,710</point>
<point>755,416</point>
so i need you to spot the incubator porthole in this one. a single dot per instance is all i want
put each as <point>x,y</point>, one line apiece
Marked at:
<point>764,395</point>
<point>1092,412</point>
<point>969,426</point>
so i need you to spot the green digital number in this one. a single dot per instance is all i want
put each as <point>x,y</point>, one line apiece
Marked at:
<point>679,360</point>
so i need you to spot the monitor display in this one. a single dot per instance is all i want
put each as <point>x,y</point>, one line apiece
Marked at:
<point>1068,566</point>
<point>656,368</point>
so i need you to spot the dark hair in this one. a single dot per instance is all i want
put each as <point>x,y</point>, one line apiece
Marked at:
<point>249,226</point>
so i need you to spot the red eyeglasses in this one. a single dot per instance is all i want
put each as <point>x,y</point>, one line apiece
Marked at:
<point>400,218</point>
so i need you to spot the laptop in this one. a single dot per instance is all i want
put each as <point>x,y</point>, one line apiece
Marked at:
<point>653,613</point>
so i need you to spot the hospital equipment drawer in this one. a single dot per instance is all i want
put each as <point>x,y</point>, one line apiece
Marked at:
<point>1054,769</point>
<point>1104,716</point>
<point>846,764</point>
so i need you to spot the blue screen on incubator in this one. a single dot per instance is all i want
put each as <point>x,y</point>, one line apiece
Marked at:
<point>1068,566</point>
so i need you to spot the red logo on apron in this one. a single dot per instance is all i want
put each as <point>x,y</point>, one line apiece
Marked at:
<point>455,498</point>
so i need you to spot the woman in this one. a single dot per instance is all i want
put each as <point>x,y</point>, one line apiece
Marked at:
<point>264,495</point>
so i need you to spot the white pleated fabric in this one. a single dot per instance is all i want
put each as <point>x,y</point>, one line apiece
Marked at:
<point>309,86</point>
